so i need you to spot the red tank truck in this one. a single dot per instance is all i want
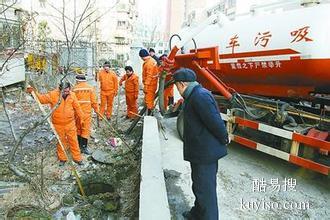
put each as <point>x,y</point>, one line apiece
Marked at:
<point>271,77</point>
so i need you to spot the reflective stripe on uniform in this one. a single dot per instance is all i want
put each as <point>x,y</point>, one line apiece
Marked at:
<point>81,89</point>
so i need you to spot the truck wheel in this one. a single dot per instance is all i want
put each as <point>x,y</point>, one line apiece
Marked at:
<point>179,124</point>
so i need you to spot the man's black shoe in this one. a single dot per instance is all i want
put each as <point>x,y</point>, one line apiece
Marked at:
<point>86,151</point>
<point>84,148</point>
<point>80,163</point>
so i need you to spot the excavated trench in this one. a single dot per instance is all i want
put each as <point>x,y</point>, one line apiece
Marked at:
<point>112,187</point>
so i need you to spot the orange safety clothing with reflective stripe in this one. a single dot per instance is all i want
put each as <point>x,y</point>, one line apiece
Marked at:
<point>109,89</point>
<point>87,99</point>
<point>150,72</point>
<point>150,80</point>
<point>106,104</point>
<point>108,81</point>
<point>132,92</point>
<point>65,112</point>
<point>169,91</point>
<point>68,136</point>
<point>63,119</point>
<point>131,83</point>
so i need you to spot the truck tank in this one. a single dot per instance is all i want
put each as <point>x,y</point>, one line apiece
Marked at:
<point>286,54</point>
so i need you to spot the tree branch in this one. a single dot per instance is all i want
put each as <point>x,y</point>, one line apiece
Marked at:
<point>7,115</point>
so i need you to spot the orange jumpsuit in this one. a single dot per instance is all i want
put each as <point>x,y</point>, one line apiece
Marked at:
<point>63,119</point>
<point>168,92</point>
<point>132,92</point>
<point>109,89</point>
<point>150,81</point>
<point>87,99</point>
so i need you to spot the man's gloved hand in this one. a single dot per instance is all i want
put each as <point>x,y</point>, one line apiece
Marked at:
<point>120,84</point>
<point>30,89</point>
<point>136,96</point>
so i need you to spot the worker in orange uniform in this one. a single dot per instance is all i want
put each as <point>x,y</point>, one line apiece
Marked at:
<point>149,79</point>
<point>131,90</point>
<point>109,88</point>
<point>87,99</point>
<point>168,91</point>
<point>63,119</point>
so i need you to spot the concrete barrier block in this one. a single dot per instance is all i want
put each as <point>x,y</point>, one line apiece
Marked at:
<point>153,195</point>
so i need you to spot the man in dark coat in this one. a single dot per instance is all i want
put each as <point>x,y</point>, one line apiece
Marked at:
<point>153,55</point>
<point>205,139</point>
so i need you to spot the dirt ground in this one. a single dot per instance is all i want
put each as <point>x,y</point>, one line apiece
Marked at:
<point>242,193</point>
<point>111,187</point>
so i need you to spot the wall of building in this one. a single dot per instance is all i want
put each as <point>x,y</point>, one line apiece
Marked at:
<point>176,9</point>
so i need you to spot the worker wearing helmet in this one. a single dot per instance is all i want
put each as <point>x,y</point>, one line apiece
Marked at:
<point>131,90</point>
<point>205,138</point>
<point>63,119</point>
<point>169,90</point>
<point>109,88</point>
<point>149,79</point>
<point>87,99</point>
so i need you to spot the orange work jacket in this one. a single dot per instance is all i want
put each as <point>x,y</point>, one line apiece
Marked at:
<point>109,81</point>
<point>150,72</point>
<point>65,112</point>
<point>131,83</point>
<point>86,96</point>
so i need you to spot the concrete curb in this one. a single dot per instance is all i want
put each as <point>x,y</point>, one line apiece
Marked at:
<point>153,195</point>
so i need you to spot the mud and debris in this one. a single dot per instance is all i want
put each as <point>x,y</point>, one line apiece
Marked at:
<point>111,184</point>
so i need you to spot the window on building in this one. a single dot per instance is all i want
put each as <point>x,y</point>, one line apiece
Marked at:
<point>231,3</point>
<point>121,24</point>
<point>120,57</point>
<point>120,40</point>
<point>9,34</point>
<point>160,52</point>
<point>42,3</point>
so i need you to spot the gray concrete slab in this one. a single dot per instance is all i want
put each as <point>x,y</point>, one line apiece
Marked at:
<point>153,196</point>
<point>239,190</point>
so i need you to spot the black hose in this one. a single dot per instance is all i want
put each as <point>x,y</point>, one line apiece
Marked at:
<point>136,120</point>
<point>161,88</point>
<point>171,38</point>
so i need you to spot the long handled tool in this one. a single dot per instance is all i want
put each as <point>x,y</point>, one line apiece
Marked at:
<point>118,107</point>
<point>75,173</point>
<point>162,129</point>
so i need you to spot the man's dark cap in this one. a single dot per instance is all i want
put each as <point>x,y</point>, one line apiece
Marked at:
<point>151,50</point>
<point>184,75</point>
<point>106,63</point>
<point>162,56</point>
<point>143,53</point>
<point>80,77</point>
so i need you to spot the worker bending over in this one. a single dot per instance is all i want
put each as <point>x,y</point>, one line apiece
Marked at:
<point>63,119</point>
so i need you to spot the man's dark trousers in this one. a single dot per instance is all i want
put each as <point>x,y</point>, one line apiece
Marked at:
<point>204,178</point>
